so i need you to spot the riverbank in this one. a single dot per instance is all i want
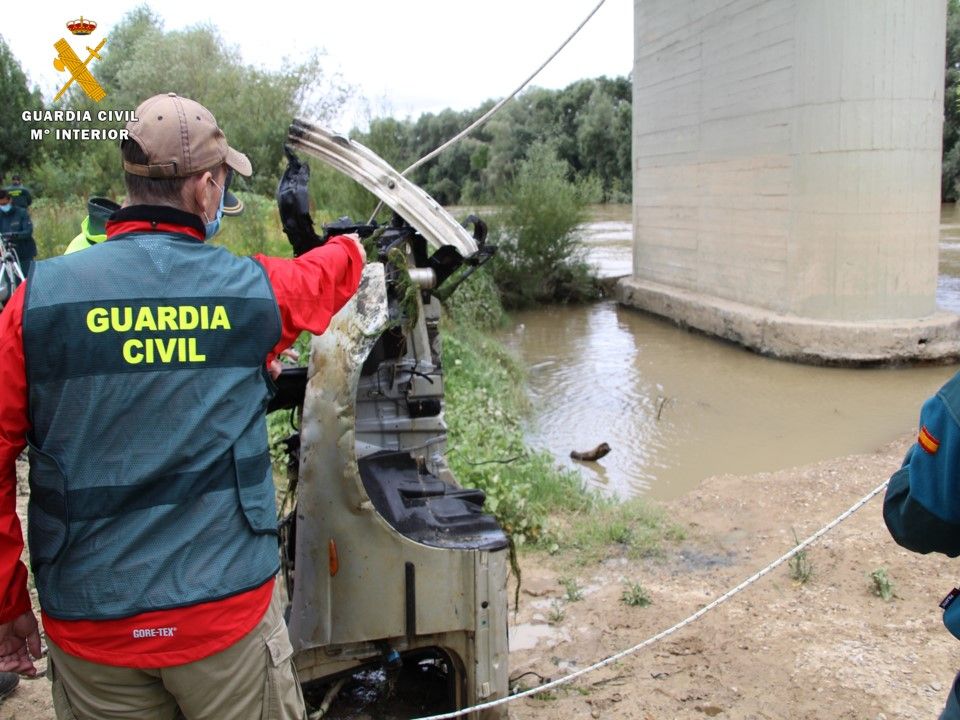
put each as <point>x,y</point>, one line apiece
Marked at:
<point>828,648</point>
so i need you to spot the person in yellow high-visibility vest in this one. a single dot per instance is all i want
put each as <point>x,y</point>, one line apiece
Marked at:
<point>99,209</point>
<point>93,226</point>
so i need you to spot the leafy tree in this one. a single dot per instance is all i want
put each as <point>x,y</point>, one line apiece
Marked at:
<point>587,123</point>
<point>253,105</point>
<point>16,147</point>
<point>598,156</point>
<point>951,111</point>
<point>390,139</point>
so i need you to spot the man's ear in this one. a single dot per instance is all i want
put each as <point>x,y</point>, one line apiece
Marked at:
<point>199,190</point>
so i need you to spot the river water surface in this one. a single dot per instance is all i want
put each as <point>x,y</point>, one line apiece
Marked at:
<point>677,407</point>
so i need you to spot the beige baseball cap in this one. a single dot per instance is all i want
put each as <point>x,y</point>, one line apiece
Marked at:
<point>180,137</point>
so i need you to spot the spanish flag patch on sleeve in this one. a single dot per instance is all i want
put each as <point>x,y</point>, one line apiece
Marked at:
<point>927,441</point>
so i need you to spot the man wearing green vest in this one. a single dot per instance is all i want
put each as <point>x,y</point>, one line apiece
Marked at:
<point>93,228</point>
<point>137,372</point>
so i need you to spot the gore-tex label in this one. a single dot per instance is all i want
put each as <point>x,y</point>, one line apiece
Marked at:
<point>154,632</point>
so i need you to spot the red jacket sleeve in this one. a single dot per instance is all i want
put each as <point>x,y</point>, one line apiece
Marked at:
<point>14,424</point>
<point>311,289</point>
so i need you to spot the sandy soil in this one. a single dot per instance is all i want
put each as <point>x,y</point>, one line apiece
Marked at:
<point>828,648</point>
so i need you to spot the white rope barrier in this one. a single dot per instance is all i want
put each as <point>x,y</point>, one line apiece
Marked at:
<point>671,630</point>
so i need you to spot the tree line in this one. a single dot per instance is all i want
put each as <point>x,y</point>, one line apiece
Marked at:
<point>142,59</point>
<point>587,124</point>
<point>950,182</point>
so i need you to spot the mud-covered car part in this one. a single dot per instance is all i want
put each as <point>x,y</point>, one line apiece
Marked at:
<point>385,553</point>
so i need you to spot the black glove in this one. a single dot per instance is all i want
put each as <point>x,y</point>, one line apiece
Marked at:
<point>293,200</point>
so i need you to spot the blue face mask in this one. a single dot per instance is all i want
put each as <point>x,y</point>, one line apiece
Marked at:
<point>9,206</point>
<point>213,227</point>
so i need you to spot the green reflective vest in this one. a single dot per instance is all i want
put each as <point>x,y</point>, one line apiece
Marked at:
<point>84,239</point>
<point>151,484</point>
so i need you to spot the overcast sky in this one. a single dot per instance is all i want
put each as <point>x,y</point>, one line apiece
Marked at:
<point>405,58</point>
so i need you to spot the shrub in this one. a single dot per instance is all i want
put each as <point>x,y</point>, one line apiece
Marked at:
<point>476,303</point>
<point>632,527</point>
<point>572,592</point>
<point>55,224</point>
<point>800,566</point>
<point>541,258</point>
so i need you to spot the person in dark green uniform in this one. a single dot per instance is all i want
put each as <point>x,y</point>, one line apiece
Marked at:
<point>20,193</point>
<point>16,226</point>
<point>922,504</point>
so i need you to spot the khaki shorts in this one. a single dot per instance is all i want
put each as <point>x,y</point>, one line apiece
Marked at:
<point>253,679</point>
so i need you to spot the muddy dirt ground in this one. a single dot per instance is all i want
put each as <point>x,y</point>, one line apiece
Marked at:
<point>827,648</point>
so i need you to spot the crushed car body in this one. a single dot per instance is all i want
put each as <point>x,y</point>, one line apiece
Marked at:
<point>387,559</point>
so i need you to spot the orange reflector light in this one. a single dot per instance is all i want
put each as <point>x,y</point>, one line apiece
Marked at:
<point>334,559</point>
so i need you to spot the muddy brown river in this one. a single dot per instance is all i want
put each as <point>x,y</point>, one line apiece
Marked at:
<point>676,407</point>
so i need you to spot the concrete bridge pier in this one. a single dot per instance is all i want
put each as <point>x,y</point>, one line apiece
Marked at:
<point>786,159</point>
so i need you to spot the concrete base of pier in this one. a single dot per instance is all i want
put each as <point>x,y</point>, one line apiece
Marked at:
<point>934,339</point>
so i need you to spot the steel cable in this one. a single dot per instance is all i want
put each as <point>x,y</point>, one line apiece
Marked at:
<point>495,109</point>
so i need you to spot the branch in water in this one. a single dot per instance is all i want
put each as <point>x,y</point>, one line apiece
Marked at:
<point>502,462</point>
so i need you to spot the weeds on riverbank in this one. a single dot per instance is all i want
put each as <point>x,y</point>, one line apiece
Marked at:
<point>485,405</point>
<point>572,592</point>
<point>800,566</point>
<point>55,224</point>
<point>635,595</point>
<point>631,527</point>
<point>537,501</point>
<point>882,586</point>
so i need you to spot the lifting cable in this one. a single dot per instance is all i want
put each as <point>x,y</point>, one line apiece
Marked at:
<point>671,630</point>
<point>494,110</point>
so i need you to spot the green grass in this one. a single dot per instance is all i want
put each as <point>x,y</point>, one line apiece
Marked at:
<point>801,569</point>
<point>55,224</point>
<point>634,528</point>
<point>257,230</point>
<point>557,613</point>
<point>485,406</point>
<point>635,595</point>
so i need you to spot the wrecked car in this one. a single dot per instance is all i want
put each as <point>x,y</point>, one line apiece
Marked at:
<point>387,561</point>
